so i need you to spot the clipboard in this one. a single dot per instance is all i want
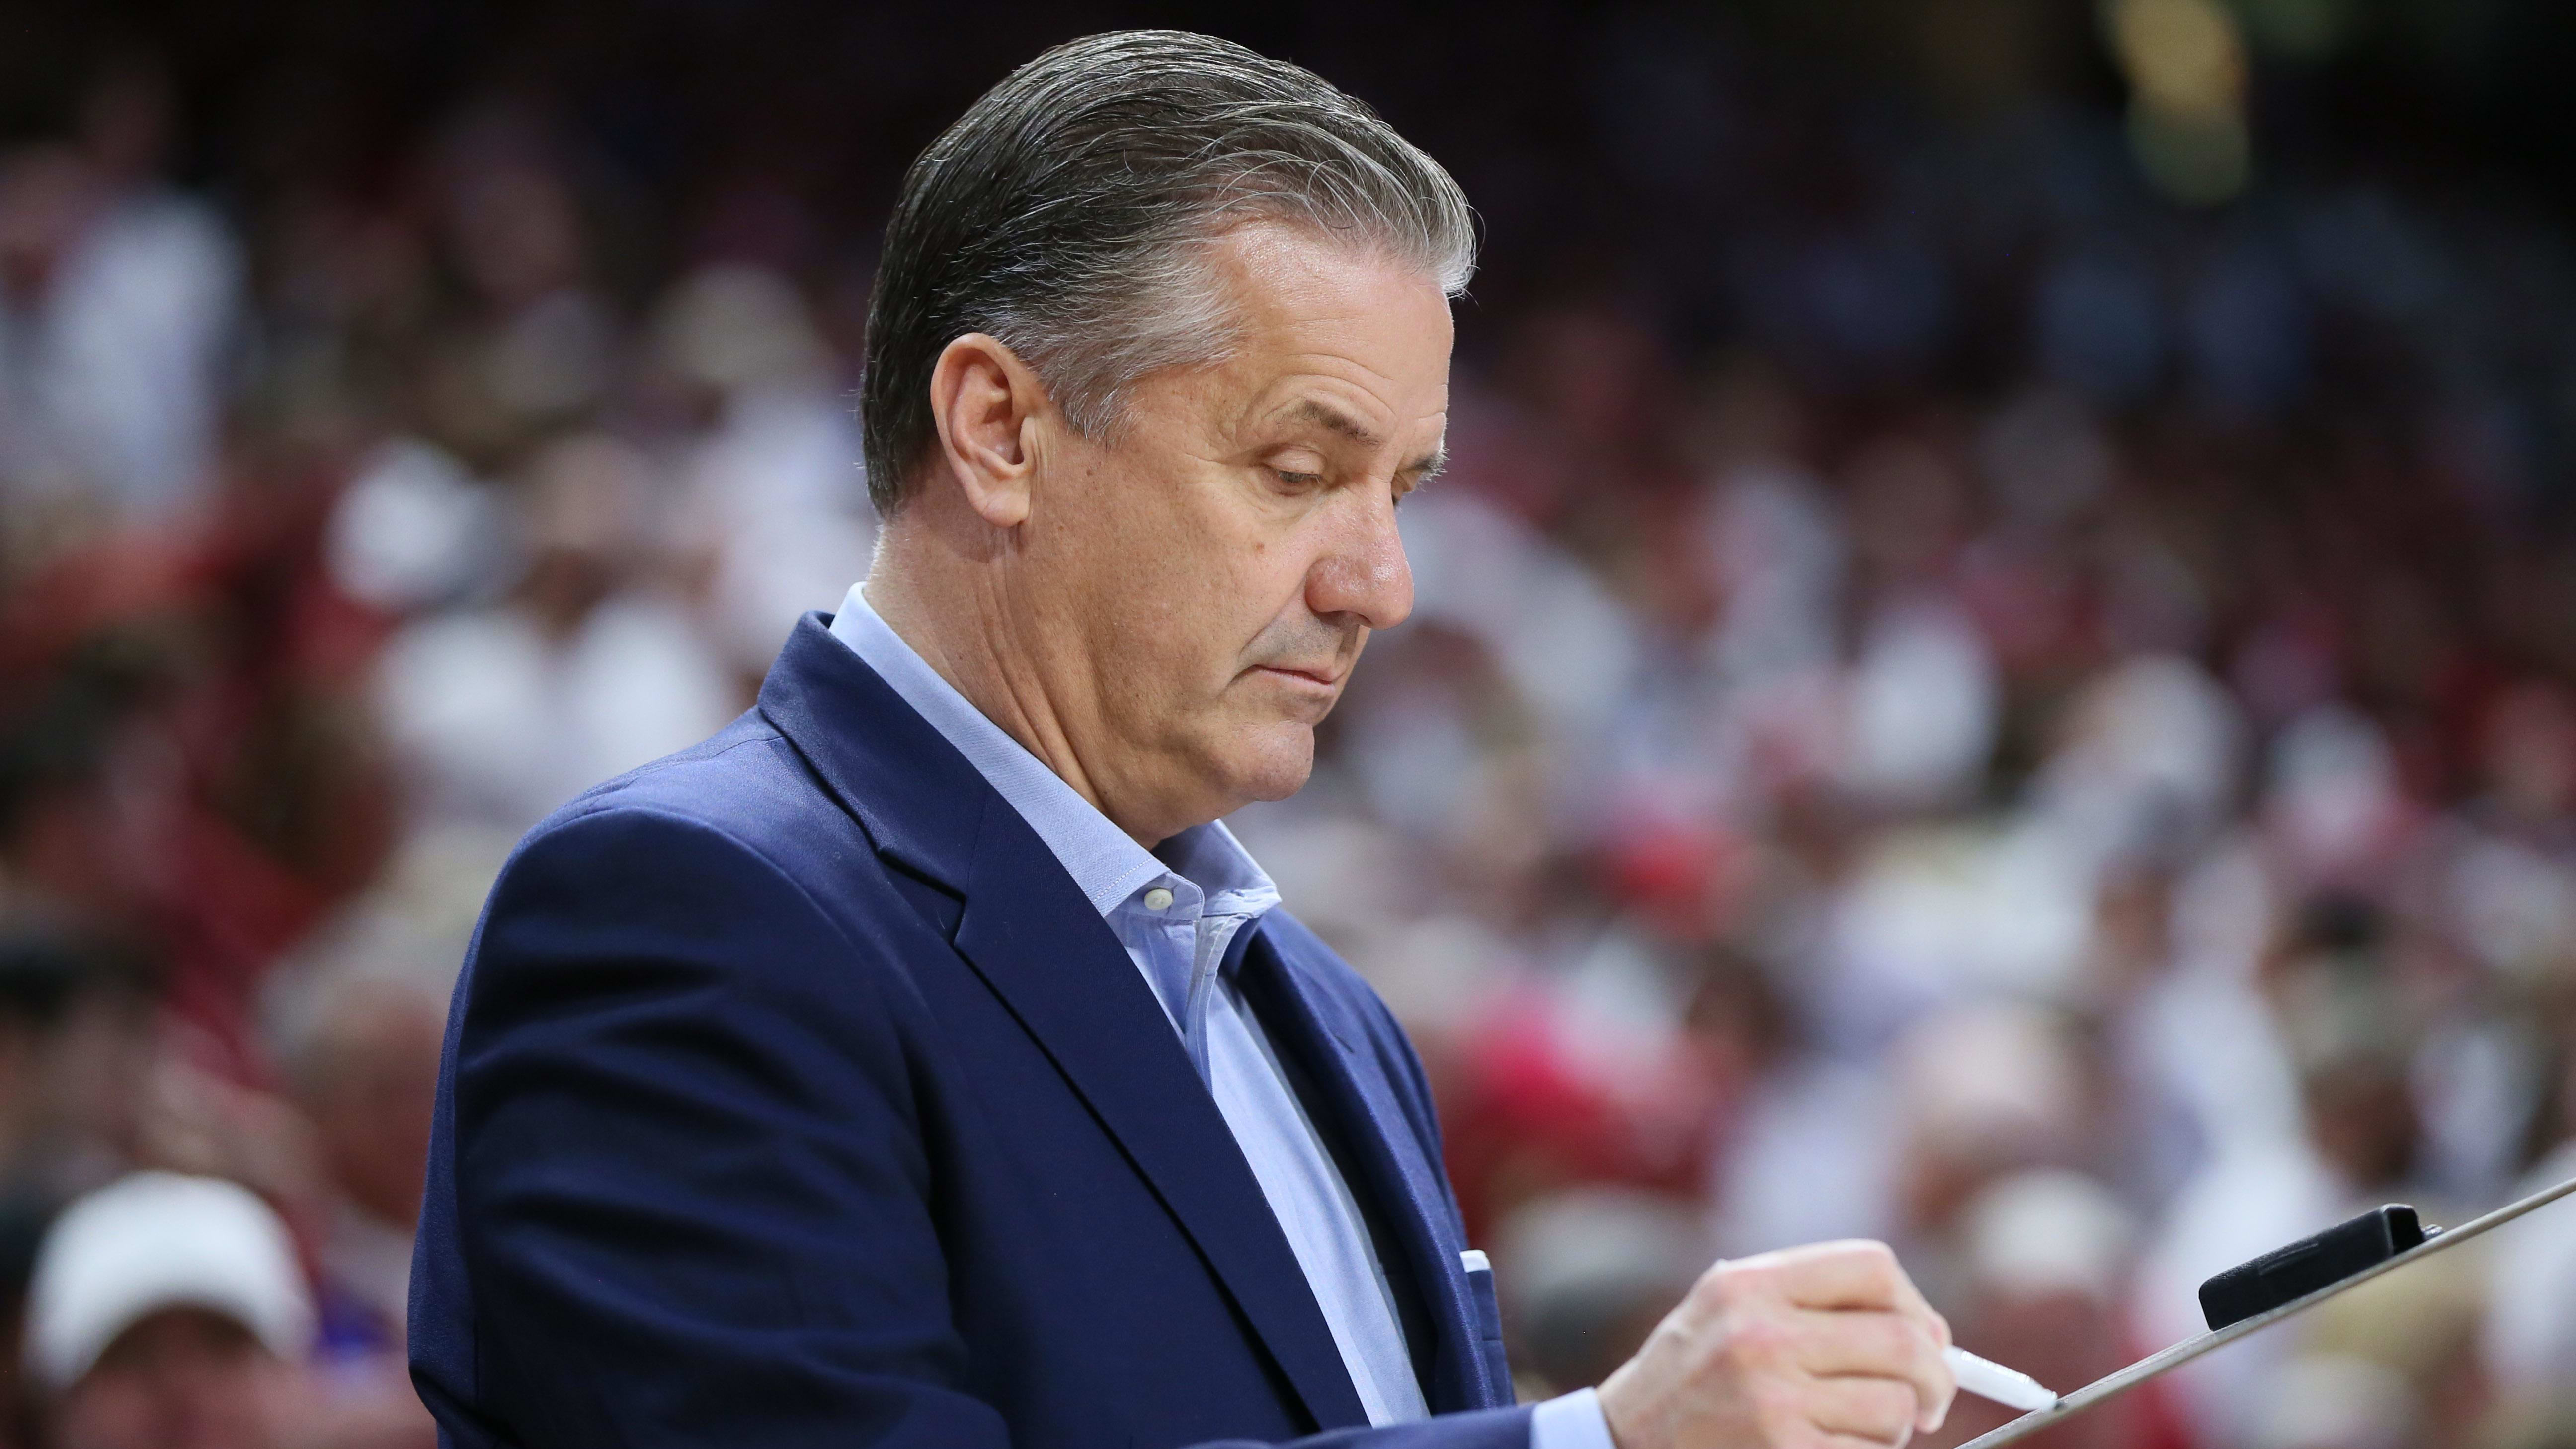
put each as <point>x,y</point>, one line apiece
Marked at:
<point>2155,1365</point>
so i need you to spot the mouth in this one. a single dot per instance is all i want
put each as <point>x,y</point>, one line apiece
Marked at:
<point>1324,678</point>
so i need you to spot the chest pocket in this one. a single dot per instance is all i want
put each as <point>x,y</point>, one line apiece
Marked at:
<point>1489,1325</point>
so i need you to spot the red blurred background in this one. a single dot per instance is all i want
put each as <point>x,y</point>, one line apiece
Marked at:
<point>1996,664</point>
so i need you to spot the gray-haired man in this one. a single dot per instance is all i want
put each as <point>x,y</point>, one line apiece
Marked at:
<point>918,1062</point>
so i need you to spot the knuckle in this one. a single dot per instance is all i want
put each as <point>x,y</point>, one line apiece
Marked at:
<point>1755,1275</point>
<point>1758,1340</point>
<point>1720,1280</point>
<point>1880,1260</point>
<point>1858,1250</point>
<point>1707,1303</point>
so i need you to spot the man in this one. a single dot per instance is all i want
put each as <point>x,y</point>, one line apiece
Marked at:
<point>916,1062</point>
<point>167,1312</point>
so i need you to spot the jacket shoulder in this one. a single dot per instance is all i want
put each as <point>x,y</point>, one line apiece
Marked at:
<point>732,848</point>
<point>746,781</point>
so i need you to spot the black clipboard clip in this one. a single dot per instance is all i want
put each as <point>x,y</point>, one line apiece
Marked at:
<point>2287,1274</point>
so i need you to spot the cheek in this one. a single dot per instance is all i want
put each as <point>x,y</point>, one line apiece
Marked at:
<point>1180,575</point>
<point>1269,582</point>
<point>1202,608</point>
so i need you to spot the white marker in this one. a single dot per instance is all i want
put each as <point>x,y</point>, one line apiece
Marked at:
<point>1994,1381</point>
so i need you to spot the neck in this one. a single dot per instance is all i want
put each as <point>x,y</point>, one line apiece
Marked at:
<point>943,590</point>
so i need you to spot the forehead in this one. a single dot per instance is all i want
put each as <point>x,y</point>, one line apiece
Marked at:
<point>1316,316</point>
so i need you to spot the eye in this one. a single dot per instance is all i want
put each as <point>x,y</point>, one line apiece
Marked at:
<point>1296,481</point>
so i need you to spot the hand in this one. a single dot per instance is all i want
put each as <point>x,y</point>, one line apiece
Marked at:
<point>1822,1347</point>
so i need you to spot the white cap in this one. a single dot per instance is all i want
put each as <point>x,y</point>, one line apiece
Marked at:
<point>157,1240</point>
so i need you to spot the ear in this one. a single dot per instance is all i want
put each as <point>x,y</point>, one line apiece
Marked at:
<point>987,404</point>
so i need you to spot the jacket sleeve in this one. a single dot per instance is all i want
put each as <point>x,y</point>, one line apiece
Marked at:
<point>691,1196</point>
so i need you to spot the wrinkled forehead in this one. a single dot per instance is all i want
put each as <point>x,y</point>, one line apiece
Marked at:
<point>1346,337</point>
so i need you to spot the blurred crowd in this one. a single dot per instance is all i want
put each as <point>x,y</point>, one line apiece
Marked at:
<point>1953,700</point>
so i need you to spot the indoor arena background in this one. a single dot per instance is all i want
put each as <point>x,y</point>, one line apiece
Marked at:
<point>1995,668</point>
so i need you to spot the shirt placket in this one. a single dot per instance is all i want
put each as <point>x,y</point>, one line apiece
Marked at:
<point>1180,922</point>
<point>1187,929</point>
<point>1202,980</point>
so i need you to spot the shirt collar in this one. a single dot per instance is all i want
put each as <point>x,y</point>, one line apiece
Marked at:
<point>1209,857</point>
<point>1105,862</point>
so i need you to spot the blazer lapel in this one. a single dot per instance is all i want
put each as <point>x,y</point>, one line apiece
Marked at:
<point>1408,1184</point>
<point>1037,942</point>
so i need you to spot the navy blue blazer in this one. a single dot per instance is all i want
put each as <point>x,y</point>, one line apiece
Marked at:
<point>794,1096</point>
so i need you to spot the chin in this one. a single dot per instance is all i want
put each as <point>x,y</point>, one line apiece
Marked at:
<point>1273,761</point>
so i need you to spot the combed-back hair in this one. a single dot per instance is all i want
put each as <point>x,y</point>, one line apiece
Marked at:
<point>1066,213</point>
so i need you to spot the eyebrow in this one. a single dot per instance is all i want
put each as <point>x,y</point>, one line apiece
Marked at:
<point>1333,420</point>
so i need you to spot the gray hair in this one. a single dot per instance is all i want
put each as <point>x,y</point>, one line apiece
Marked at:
<point>1066,213</point>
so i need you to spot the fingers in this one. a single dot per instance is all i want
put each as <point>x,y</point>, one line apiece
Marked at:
<point>1881,1411</point>
<point>1822,1345</point>
<point>1910,1302</point>
<point>1859,1315</point>
<point>1888,1345</point>
<point>1897,1349</point>
<point>1851,1275</point>
<point>1834,1275</point>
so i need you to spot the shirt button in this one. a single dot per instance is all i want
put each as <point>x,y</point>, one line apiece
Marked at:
<point>1158,899</point>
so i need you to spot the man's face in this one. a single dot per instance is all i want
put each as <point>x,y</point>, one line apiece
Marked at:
<point>1196,587</point>
<point>182,1378</point>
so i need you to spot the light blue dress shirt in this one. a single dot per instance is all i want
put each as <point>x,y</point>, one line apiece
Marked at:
<point>1176,909</point>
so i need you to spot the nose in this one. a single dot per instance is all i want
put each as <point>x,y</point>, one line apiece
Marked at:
<point>1363,575</point>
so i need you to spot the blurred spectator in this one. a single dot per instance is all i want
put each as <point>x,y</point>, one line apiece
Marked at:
<point>2325,1401</point>
<point>2418,1330</point>
<point>1982,1093</point>
<point>771,485</point>
<point>76,1044</point>
<point>120,303</point>
<point>590,668</point>
<point>1594,1271</point>
<point>367,1080</point>
<point>363,1063</point>
<point>529,345</point>
<point>2043,1275</point>
<point>1807,1150</point>
<point>167,1313</point>
<point>2529,1342</point>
